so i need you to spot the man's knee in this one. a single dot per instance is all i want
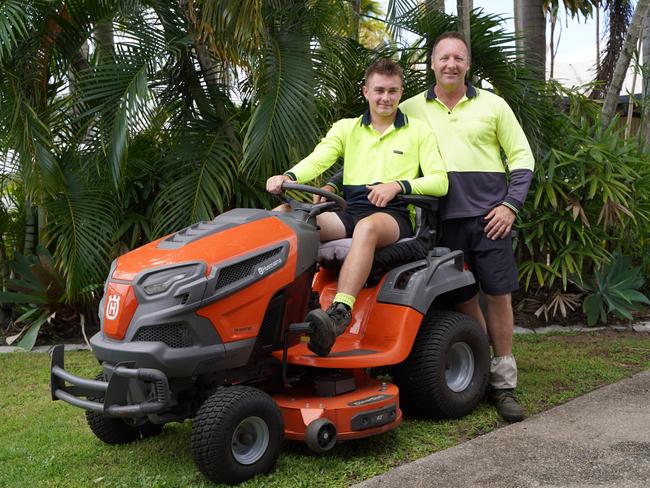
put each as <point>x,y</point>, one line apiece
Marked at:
<point>331,226</point>
<point>366,229</point>
<point>378,229</point>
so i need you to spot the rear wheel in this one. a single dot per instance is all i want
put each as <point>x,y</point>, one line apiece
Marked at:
<point>237,433</point>
<point>113,430</point>
<point>446,374</point>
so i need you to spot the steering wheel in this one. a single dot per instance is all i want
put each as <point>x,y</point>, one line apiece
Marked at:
<point>334,202</point>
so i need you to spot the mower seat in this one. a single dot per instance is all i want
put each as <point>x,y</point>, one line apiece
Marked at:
<point>331,254</point>
<point>336,251</point>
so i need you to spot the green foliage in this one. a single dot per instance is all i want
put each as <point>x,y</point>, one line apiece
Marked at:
<point>128,120</point>
<point>39,289</point>
<point>590,196</point>
<point>614,288</point>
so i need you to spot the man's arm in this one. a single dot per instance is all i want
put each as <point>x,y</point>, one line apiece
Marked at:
<point>520,160</point>
<point>324,155</point>
<point>336,181</point>
<point>434,181</point>
<point>521,163</point>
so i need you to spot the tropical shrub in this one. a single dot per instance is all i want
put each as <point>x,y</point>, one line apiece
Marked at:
<point>613,289</point>
<point>590,197</point>
<point>38,291</point>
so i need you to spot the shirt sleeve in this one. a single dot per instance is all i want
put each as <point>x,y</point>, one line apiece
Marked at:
<point>519,157</point>
<point>336,181</point>
<point>325,154</point>
<point>434,180</point>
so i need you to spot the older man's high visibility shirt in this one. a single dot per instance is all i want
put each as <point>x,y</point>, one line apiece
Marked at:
<point>470,137</point>
<point>406,152</point>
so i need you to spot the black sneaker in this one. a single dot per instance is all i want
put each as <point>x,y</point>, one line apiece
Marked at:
<point>507,405</point>
<point>326,326</point>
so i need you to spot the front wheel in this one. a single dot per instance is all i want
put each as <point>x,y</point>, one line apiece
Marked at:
<point>237,433</point>
<point>446,373</point>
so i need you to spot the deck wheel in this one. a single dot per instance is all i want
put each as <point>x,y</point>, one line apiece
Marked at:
<point>320,435</point>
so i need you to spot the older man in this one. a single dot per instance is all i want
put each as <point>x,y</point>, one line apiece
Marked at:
<point>472,126</point>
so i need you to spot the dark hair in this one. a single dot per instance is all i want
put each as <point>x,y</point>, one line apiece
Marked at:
<point>450,35</point>
<point>384,66</point>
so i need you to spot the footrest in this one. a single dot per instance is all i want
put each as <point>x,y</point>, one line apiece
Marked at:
<point>385,339</point>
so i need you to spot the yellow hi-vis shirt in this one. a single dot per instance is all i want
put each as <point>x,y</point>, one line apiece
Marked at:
<point>470,137</point>
<point>406,152</point>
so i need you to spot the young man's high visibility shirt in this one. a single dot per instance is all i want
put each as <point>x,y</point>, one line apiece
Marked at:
<point>470,137</point>
<point>406,152</point>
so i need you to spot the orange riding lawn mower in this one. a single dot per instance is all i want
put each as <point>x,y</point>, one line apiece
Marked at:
<point>209,324</point>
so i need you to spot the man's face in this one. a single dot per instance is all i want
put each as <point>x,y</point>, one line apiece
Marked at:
<point>383,93</point>
<point>450,62</point>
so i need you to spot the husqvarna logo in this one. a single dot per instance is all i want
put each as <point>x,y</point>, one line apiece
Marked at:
<point>268,267</point>
<point>112,307</point>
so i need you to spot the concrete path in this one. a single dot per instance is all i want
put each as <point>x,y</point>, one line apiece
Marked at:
<point>601,439</point>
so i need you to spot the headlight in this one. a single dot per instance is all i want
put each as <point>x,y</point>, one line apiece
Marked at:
<point>161,281</point>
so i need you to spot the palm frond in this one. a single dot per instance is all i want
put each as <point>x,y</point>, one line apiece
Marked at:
<point>81,226</point>
<point>13,26</point>
<point>200,171</point>
<point>29,136</point>
<point>282,127</point>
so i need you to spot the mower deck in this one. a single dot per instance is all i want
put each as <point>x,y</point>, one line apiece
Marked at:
<point>371,408</point>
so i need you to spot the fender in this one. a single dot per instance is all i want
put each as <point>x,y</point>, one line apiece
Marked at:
<point>417,284</point>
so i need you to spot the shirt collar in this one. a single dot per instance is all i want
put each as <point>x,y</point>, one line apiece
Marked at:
<point>470,92</point>
<point>400,119</point>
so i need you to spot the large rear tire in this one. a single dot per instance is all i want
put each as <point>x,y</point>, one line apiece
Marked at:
<point>446,373</point>
<point>113,430</point>
<point>237,433</point>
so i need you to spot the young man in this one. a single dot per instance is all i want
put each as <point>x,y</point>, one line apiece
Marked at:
<point>384,153</point>
<point>472,126</point>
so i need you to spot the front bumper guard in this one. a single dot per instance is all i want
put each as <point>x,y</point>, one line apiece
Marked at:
<point>113,392</point>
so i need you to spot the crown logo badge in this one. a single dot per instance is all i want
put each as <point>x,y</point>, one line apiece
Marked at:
<point>112,307</point>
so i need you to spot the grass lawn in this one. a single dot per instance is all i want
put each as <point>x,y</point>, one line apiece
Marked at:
<point>45,443</point>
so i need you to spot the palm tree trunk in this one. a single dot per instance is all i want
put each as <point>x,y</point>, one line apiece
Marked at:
<point>103,35</point>
<point>623,62</point>
<point>31,231</point>
<point>464,8</point>
<point>644,132</point>
<point>530,24</point>
<point>437,5</point>
<point>597,38</point>
<point>620,12</point>
<point>355,13</point>
<point>432,6</point>
<point>551,50</point>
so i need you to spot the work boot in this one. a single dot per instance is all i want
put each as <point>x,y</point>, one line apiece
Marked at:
<point>326,326</point>
<point>507,405</point>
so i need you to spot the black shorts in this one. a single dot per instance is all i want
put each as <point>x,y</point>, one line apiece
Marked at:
<point>352,216</point>
<point>492,262</point>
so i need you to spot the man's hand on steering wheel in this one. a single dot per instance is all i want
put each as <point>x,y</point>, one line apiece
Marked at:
<point>321,199</point>
<point>274,184</point>
<point>333,202</point>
